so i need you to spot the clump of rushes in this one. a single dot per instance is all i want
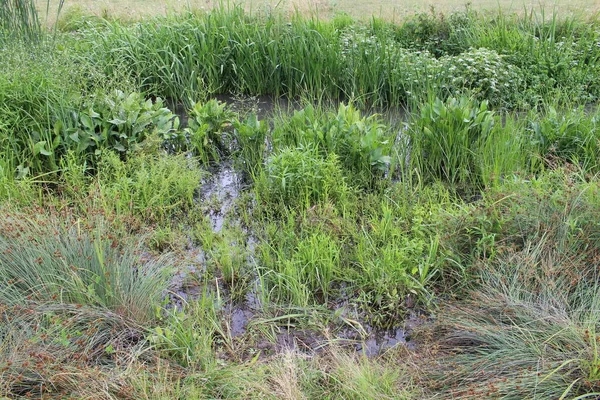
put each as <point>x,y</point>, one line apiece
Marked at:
<point>46,260</point>
<point>530,328</point>
<point>250,137</point>
<point>72,296</point>
<point>19,20</point>
<point>33,95</point>
<point>303,275</point>
<point>446,137</point>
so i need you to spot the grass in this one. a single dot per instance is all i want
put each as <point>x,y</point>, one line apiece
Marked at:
<point>440,172</point>
<point>539,324</point>
<point>390,10</point>
<point>375,64</point>
<point>74,265</point>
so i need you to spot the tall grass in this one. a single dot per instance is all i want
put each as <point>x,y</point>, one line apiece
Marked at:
<point>74,296</point>
<point>530,332</point>
<point>19,20</point>
<point>510,61</point>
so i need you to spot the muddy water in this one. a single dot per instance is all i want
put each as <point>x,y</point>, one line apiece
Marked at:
<point>220,190</point>
<point>380,340</point>
<point>370,342</point>
<point>262,106</point>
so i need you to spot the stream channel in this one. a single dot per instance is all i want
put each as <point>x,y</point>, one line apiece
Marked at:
<point>222,186</point>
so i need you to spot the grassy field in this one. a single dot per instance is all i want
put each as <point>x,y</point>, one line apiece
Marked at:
<point>240,205</point>
<point>392,10</point>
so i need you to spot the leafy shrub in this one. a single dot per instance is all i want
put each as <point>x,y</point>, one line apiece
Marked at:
<point>361,142</point>
<point>117,121</point>
<point>414,75</point>
<point>207,134</point>
<point>485,75</point>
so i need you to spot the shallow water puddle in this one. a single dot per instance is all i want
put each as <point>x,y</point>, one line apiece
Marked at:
<point>219,191</point>
<point>378,341</point>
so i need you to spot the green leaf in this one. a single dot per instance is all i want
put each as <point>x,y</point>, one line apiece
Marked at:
<point>86,121</point>
<point>117,121</point>
<point>40,148</point>
<point>22,171</point>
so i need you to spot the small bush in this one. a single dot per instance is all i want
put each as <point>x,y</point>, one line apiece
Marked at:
<point>362,144</point>
<point>484,75</point>
<point>571,137</point>
<point>157,188</point>
<point>438,34</point>
<point>302,177</point>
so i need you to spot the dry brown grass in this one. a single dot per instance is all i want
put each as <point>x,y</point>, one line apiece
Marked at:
<point>389,9</point>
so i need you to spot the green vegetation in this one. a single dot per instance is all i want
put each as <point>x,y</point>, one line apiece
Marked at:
<point>432,181</point>
<point>19,19</point>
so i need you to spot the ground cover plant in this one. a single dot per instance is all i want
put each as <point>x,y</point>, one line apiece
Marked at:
<point>416,214</point>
